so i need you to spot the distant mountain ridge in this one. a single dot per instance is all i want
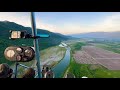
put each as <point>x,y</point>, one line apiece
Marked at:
<point>105,35</point>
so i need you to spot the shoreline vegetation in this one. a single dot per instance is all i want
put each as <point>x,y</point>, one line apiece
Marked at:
<point>110,47</point>
<point>71,67</point>
<point>67,69</point>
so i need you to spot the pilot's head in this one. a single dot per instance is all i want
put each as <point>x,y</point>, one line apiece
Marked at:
<point>4,70</point>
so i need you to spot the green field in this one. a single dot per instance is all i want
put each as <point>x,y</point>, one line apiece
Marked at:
<point>91,70</point>
<point>76,46</point>
<point>114,47</point>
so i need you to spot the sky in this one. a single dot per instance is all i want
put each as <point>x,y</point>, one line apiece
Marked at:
<point>68,22</point>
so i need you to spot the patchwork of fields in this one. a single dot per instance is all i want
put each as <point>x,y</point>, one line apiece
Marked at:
<point>94,55</point>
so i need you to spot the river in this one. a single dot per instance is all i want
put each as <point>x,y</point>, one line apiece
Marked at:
<point>61,67</point>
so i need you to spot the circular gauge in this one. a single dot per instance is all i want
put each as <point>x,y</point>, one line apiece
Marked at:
<point>10,53</point>
<point>28,52</point>
<point>18,58</point>
<point>20,54</point>
<point>19,50</point>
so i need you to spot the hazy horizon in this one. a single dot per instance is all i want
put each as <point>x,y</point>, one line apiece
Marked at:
<point>68,22</point>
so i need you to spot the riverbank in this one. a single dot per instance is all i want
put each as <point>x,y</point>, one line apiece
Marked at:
<point>50,56</point>
<point>68,73</point>
<point>72,67</point>
<point>61,67</point>
<point>68,67</point>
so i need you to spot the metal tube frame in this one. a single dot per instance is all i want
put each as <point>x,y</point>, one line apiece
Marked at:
<point>36,45</point>
<point>16,69</point>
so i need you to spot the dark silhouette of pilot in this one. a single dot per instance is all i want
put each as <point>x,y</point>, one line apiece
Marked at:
<point>5,71</point>
<point>29,73</point>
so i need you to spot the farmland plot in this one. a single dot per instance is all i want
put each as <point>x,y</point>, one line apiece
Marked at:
<point>84,58</point>
<point>94,55</point>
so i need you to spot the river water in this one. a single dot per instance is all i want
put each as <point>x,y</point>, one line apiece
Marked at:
<point>61,67</point>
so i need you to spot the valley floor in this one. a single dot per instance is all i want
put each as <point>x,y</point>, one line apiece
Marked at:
<point>83,64</point>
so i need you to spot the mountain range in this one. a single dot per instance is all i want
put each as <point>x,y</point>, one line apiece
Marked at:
<point>102,35</point>
<point>6,26</point>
